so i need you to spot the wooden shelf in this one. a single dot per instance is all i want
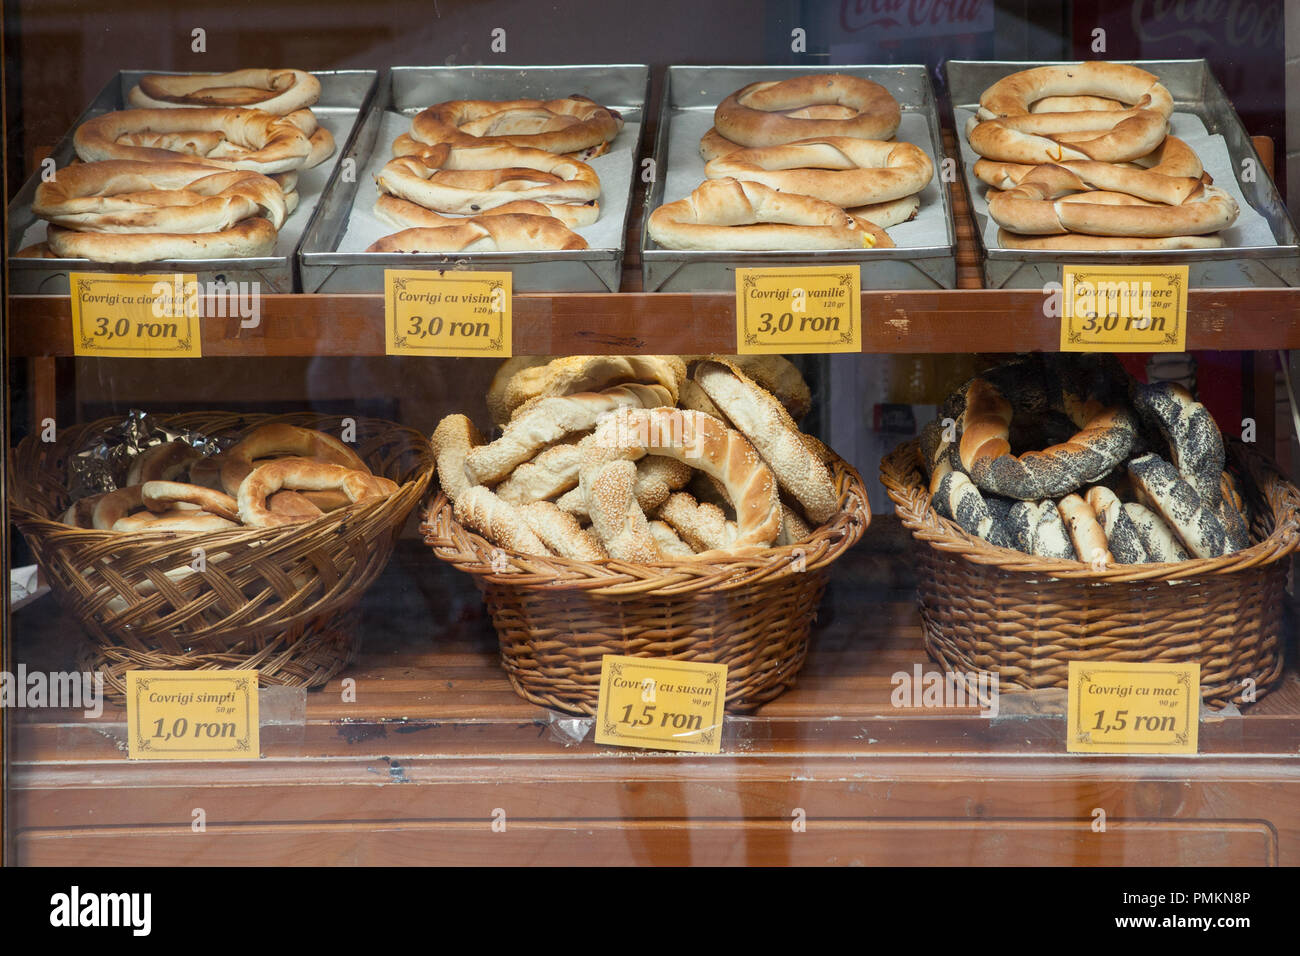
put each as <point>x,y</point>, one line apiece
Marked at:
<point>436,741</point>
<point>959,320</point>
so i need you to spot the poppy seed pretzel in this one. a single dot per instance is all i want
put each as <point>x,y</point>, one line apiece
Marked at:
<point>1105,437</point>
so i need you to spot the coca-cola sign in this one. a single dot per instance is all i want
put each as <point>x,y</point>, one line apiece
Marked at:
<point>1248,24</point>
<point>896,19</point>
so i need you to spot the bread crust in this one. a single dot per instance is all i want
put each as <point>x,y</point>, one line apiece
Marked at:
<point>768,113</point>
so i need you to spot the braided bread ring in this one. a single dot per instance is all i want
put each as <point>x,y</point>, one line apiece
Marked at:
<point>159,496</point>
<point>126,196</point>
<point>249,239</point>
<point>470,179</point>
<point>617,519</point>
<point>553,472</point>
<point>451,441</point>
<point>296,474</point>
<point>768,113</point>
<point>953,495</point>
<point>703,526</point>
<point>1103,441</point>
<point>404,214</point>
<point>1122,536</point>
<point>728,214</point>
<point>507,233</point>
<point>274,91</point>
<point>1085,531</point>
<point>670,546</point>
<point>656,479</point>
<point>765,422</point>
<point>1195,444</point>
<point>321,139</point>
<point>266,441</point>
<point>706,444</point>
<point>480,510</point>
<point>561,532</point>
<point>1159,543</point>
<point>266,143</point>
<point>1164,490</point>
<point>837,169</point>
<point>589,373</point>
<point>557,126</point>
<point>545,421</point>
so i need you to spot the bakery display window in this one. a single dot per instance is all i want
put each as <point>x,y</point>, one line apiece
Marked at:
<point>865,434</point>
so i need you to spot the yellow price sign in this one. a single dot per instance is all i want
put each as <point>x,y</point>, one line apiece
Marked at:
<point>798,309</point>
<point>434,313</point>
<point>660,705</point>
<point>1137,708</point>
<point>1123,308</point>
<point>192,715</point>
<point>135,316</point>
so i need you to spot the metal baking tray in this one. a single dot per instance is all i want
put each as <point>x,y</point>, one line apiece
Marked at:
<point>344,95</point>
<point>1195,90</point>
<point>329,265</point>
<point>692,93</point>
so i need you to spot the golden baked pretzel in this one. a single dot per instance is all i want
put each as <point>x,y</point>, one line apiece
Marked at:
<point>274,91</point>
<point>728,214</point>
<point>228,138</point>
<point>247,239</point>
<point>296,474</point>
<point>770,113</point>
<point>568,125</point>
<point>276,439</point>
<point>704,443</point>
<point>1050,201</point>
<point>1172,158</point>
<point>1078,242</point>
<point>587,373</point>
<point>128,196</point>
<point>471,179</point>
<point>713,144</point>
<point>1004,128</point>
<point>165,461</point>
<point>404,214</point>
<point>837,169</point>
<point>507,233</point>
<point>160,496</point>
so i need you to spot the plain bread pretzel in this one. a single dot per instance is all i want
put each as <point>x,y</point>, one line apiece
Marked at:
<point>838,169</point>
<point>274,91</point>
<point>769,113</point>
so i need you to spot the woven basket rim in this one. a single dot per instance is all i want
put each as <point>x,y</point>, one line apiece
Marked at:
<point>30,521</point>
<point>901,467</point>
<point>610,576</point>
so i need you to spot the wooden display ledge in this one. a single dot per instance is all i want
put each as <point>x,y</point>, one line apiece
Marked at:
<point>437,742</point>
<point>954,320</point>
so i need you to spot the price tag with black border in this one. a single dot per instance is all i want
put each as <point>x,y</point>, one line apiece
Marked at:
<point>192,715</point>
<point>1133,708</point>
<point>135,316</point>
<point>795,309</point>
<point>1123,308</point>
<point>660,704</point>
<point>452,313</point>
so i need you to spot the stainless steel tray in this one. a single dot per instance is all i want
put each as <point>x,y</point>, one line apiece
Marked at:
<point>1195,91</point>
<point>344,96</point>
<point>692,93</point>
<point>329,265</point>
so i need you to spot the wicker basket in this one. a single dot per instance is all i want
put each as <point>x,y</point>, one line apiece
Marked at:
<point>1026,617</point>
<point>274,599</point>
<point>556,618</point>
